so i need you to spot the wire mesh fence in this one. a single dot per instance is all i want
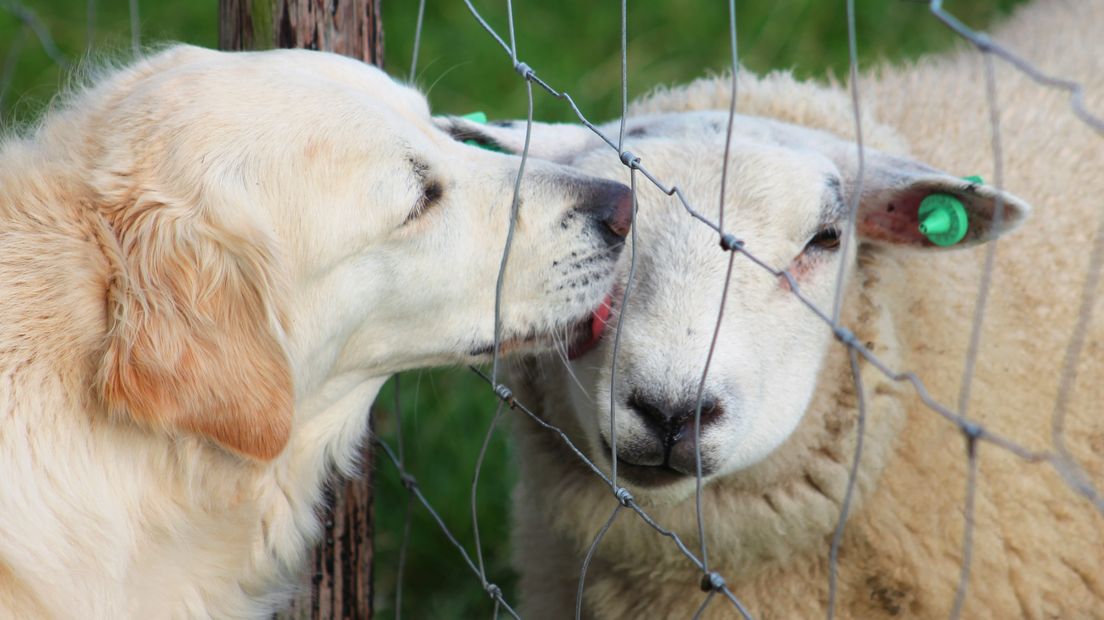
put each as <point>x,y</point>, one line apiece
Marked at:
<point>30,26</point>
<point>713,584</point>
<point>43,45</point>
<point>716,590</point>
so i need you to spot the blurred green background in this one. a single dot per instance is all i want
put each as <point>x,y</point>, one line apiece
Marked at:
<point>573,45</point>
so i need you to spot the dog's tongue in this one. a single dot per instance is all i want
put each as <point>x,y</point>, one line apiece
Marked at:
<point>598,320</point>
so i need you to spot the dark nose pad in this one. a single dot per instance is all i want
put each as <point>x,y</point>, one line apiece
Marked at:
<point>672,423</point>
<point>610,204</point>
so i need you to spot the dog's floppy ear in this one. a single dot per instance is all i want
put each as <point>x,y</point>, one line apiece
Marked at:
<point>192,345</point>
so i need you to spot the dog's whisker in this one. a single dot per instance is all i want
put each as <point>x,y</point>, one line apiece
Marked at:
<point>562,353</point>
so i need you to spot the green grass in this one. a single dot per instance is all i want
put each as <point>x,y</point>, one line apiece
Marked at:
<point>446,414</point>
<point>574,45</point>
<point>37,78</point>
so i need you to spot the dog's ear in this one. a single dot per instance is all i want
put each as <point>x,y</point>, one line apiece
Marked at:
<point>193,344</point>
<point>894,188</point>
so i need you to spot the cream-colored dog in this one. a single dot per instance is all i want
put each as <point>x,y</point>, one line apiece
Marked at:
<point>209,264</point>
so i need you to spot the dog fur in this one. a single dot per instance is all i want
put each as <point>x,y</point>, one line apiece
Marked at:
<point>209,264</point>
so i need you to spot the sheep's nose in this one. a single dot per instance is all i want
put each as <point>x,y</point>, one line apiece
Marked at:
<point>673,422</point>
<point>610,204</point>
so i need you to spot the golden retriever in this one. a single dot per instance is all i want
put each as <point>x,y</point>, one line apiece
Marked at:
<point>209,264</point>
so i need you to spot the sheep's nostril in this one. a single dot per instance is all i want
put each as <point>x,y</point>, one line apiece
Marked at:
<point>671,422</point>
<point>653,413</point>
<point>682,428</point>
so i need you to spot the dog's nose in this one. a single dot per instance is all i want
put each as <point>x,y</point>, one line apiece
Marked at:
<point>610,204</point>
<point>673,422</point>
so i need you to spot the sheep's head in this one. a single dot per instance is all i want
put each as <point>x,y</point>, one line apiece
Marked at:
<point>789,191</point>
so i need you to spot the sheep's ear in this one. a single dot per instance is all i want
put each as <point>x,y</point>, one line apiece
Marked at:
<point>192,343</point>
<point>894,188</point>
<point>557,142</point>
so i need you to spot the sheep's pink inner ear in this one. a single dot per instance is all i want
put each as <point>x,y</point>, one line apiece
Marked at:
<point>893,191</point>
<point>892,218</point>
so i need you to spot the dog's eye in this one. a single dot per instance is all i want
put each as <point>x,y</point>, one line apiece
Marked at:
<point>826,240</point>
<point>431,195</point>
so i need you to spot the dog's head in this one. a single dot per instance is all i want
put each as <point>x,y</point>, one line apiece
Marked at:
<point>788,194</point>
<point>275,220</point>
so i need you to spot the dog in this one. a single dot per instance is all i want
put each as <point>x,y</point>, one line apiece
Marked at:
<point>209,264</point>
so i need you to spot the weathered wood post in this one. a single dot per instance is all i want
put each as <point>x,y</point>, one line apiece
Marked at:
<point>338,582</point>
<point>350,27</point>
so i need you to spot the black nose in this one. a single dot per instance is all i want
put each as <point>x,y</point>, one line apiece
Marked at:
<point>673,422</point>
<point>610,205</point>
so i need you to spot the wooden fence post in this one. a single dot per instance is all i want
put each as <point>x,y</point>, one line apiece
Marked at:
<point>338,582</point>
<point>349,27</point>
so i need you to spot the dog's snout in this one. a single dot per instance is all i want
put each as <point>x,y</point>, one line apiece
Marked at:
<point>610,204</point>
<point>673,423</point>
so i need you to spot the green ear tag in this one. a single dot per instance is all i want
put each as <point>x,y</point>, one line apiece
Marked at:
<point>476,117</point>
<point>943,219</point>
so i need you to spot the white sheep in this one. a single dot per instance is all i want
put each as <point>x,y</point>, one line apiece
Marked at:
<point>780,416</point>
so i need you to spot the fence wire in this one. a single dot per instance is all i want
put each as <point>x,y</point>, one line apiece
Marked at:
<point>31,24</point>
<point>973,433</point>
<point>713,584</point>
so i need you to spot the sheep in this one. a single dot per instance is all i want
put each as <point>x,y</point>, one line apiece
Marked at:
<point>770,510</point>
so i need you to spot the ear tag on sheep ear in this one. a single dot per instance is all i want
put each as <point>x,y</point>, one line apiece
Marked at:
<point>476,117</point>
<point>481,119</point>
<point>942,217</point>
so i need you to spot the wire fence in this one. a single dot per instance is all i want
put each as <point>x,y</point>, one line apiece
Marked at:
<point>31,26</point>
<point>713,584</point>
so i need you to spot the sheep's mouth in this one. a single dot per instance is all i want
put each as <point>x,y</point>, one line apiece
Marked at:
<point>652,476</point>
<point>648,476</point>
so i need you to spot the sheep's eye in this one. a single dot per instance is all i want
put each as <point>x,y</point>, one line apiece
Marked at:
<point>472,137</point>
<point>431,195</point>
<point>827,240</point>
